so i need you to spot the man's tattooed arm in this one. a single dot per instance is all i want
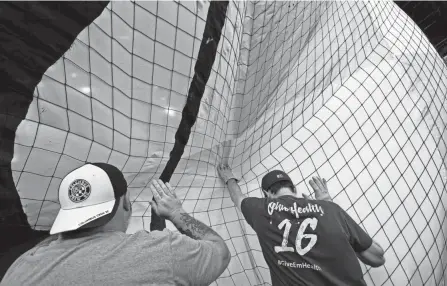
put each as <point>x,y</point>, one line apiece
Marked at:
<point>193,228</point>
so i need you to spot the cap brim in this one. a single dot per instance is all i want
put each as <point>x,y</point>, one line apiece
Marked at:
<point>73,219</point>
<point>276,181</point>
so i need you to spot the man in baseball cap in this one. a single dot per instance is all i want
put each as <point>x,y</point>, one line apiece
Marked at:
<point>292,227</point>
<point>277,183</point>
<point>91,246</point>
<point>89,197</point>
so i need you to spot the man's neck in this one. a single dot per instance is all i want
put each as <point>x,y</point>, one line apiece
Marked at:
<point>91,231</point>
<point>79,233</point>
<point>286,192</point>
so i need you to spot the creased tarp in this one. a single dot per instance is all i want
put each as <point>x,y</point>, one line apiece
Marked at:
<point>205,59</point>
<point>33,36</point>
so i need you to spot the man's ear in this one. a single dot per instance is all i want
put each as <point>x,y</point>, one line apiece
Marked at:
<point>126,202</point>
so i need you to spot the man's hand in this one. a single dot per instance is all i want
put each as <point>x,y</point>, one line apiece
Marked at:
<point>225,173</point>
<point>320,188</point>
<point>166,203</point>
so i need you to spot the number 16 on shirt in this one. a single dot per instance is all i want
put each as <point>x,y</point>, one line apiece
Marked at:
<point>312,222</point>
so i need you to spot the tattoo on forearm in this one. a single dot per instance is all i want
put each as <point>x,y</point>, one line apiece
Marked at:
<point>194,228</point>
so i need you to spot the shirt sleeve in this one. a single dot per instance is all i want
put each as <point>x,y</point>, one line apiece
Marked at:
<point>358,238</point>
<point>196,262</point>
<point>252,208</point>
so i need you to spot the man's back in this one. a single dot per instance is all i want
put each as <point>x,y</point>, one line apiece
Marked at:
<point>307,242</point>
<point>114,258</point>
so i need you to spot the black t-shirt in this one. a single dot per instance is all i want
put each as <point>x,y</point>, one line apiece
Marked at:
<point>307,242</point>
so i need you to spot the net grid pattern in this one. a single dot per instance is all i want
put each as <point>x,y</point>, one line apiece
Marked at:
<point>351,91</point>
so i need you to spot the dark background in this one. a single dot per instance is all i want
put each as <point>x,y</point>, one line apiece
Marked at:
<point>431,17</point>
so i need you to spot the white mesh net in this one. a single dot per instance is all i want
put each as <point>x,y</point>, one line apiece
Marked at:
<point>352,91</point>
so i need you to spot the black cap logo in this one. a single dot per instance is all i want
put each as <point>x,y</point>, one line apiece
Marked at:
<point>79,190</point>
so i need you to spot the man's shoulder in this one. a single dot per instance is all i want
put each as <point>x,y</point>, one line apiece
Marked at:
<point>122,238</point>
<point>150,235</point>
<point>252,201</point>
<point>323,202</point>
<point>331,204</point>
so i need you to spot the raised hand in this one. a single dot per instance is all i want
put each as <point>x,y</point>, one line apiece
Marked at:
<point>320,188</point>
<point>225,173</point>
<point>166,203</point>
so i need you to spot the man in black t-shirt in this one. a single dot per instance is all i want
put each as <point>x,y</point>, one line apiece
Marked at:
<point>305,241</point>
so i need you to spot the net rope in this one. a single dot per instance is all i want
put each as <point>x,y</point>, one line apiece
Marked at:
<point>351,91</point>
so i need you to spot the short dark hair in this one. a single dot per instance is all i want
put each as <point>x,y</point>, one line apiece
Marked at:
<point>281,184</point>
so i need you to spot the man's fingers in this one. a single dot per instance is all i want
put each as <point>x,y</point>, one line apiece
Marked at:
<point>158,187</point>
<point>162,185</point>
<point>154,206</point>
<point>166,187</point>
<point>319,183</point>
<point>155,193</point>
<point>170,189</point>
<point>313,185</point>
